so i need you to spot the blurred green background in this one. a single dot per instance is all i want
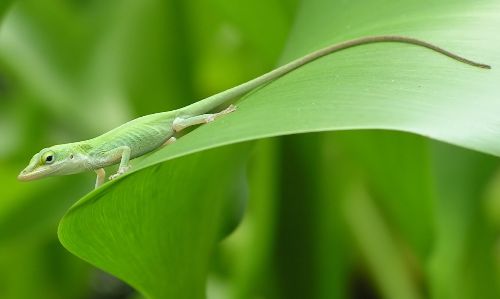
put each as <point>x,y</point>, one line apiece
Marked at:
<point>354,214</point>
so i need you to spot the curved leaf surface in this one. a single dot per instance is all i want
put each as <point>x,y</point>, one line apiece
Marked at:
<point>155,235</point>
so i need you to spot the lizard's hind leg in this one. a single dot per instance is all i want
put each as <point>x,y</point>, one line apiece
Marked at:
<point>181,123</point>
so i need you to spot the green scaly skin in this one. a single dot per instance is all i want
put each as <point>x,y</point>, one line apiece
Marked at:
<point>148,133</point>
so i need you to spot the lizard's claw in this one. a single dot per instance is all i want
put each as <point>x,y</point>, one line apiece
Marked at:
<point>228,110</point>
<point>120,172</point>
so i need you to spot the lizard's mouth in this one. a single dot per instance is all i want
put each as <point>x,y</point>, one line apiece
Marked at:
<point>37,173</point>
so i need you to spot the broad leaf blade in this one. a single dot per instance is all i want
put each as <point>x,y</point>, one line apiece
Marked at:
<point>465,241</point>
<point>155,235</point>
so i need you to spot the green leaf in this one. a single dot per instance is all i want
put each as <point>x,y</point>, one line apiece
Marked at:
<point>158,236</point>
<point>248,250</point>
<point>379,248</point>
<point>155,235</point>
<point>396,168</point>
<point>465,240</point>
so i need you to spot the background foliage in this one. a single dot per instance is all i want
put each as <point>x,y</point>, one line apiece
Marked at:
<point>346,214</point>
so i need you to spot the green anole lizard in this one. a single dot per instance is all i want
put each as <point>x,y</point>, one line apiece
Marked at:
<point>148,133</point>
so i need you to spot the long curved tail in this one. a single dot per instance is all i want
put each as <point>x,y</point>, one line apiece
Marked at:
<point>216,100</point>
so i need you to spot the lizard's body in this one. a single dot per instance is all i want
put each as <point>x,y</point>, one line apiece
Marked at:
<point>147,133</point>
<point>141,135</point>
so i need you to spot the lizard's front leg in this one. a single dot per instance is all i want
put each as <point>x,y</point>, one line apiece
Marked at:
<point>124,153</point>
<point>101,177</point>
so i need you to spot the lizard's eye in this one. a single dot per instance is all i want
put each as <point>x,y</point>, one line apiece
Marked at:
<point>48,158</point>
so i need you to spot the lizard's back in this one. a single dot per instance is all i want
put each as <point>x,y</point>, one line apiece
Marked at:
<point>141,135</point>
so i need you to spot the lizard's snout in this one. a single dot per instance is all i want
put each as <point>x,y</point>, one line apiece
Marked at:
<point>23,176</point>
<point>27,175</point>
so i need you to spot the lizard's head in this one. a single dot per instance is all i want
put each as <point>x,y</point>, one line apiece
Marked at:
<point>55,160</point>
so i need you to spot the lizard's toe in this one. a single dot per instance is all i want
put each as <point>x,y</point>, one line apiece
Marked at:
<point>114,176</point>
<point>120,172</point>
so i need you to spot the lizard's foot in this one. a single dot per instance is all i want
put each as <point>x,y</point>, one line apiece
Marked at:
<point>120,172</point>
<point>228,110</point>
<point>180,123</point>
